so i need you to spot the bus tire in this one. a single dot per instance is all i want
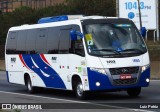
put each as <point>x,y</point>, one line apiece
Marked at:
<point>134,92</point>
<point>29,86</point>
<point>80,93</point>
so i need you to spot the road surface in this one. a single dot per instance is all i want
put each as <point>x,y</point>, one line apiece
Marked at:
<point>65,100</point>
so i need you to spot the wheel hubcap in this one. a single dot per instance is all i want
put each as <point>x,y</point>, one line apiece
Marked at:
<point>79,89</point>
<point>29,86</point>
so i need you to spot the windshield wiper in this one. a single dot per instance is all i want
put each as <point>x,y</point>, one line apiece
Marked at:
<point>107,50</point>
<point>127,50</point>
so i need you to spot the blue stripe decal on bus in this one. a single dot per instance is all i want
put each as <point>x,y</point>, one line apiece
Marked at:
<point>53,80</point>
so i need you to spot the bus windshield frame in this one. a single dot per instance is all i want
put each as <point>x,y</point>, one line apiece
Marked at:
<point>113,38</point>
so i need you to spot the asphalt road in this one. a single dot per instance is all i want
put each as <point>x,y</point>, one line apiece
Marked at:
<point>66,100</point>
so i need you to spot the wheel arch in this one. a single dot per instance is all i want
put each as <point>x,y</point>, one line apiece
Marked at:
<point>26,76</point>
<point>75,78</point>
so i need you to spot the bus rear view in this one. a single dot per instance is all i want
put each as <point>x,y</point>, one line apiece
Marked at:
<point>83,54</point>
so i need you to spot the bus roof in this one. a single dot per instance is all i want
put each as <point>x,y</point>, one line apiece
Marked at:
<point>58,21</point>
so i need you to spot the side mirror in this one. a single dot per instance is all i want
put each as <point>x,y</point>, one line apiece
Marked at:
<point>74,34</point>
<point>143,32</point>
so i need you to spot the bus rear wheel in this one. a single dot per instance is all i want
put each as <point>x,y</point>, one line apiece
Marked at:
<point>29,86</point>
<point>134,92</point>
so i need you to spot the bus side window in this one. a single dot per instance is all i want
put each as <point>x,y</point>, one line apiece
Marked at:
<point>77,47</point>
<point>41,41</point>
<point>11,43</point>
<point>53,40</point>
<point>31,41</point>
<point>21,42</point>
<point>64,43</point>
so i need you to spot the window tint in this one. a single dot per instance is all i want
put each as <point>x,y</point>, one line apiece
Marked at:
<point>64,43</point>
<point>53,40</point>
<point>41,41</point>
<point>77,46</point>
<point>31,41</point>
<point>11,42</point>
<point>59,39</point>
<point>21,42</point>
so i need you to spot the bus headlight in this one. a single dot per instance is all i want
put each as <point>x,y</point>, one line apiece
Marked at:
<point>144,68</point>
<point>99,70</point>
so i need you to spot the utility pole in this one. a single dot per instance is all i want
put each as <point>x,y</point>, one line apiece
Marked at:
<point>140,19</point>
<point>117,8</point>
<point>157,11</point>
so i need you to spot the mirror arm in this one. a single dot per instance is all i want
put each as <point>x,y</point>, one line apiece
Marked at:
<point>79,34</point>
<point>143,31</point>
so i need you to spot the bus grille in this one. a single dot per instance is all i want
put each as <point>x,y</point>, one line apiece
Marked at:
<point>124,82</point>
<point>124,70</point>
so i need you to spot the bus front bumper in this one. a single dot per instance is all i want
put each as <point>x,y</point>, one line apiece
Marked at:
<point>98,81</point>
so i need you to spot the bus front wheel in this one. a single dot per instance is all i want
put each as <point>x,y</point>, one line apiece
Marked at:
<point>134,92</point>
<point>80,93</point>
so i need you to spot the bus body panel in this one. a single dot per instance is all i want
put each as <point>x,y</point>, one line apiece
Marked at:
<point>78,66</point>
<point>15,69</point>
<point>118,62</point>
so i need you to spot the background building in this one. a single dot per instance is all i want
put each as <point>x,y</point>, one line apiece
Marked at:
<point>10,5</point>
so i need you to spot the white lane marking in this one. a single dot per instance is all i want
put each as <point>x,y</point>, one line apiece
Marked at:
<point>154,80</point>
<point>74,101</point>
<point>59,99</point>
<point>139,110</point>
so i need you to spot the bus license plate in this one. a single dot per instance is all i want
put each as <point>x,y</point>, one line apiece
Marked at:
<point>125,76</point>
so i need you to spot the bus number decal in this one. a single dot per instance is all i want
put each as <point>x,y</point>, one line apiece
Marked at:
<point>54,59</point>
<point>13,60</point>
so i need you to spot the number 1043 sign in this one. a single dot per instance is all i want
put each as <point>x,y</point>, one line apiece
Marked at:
<point>129,9</point>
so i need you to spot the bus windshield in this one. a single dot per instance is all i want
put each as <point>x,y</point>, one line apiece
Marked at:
<point>113,39</point>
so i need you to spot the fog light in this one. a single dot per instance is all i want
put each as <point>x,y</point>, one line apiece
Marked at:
<point>147,80</point>
<point>98,84</point>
